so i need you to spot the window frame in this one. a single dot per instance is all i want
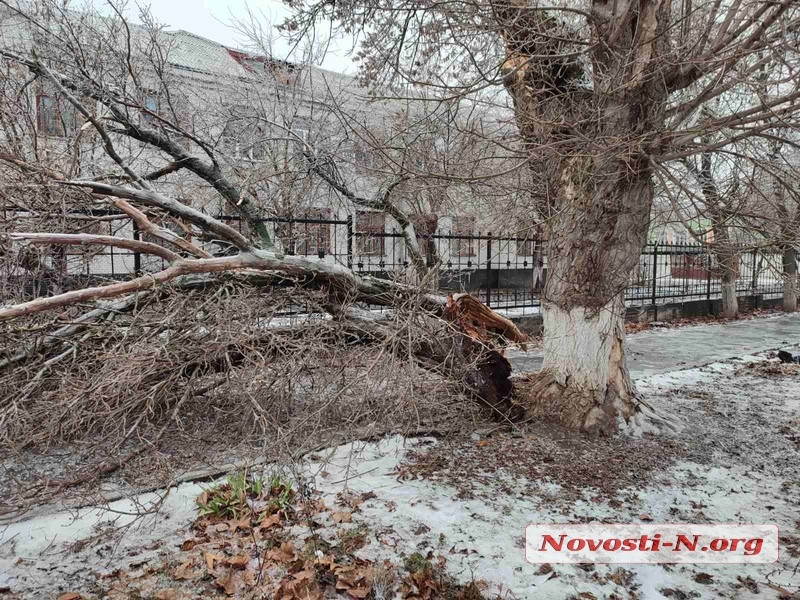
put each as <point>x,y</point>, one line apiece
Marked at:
<point>457,230</point>
<point>60,108</point>
<point>371,237</point>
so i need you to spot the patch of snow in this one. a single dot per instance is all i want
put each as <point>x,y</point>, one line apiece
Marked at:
<point>522,311</point>
<point>33,546</point>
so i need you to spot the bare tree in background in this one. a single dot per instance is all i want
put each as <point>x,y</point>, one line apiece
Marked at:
<point>781,189</point>
<point>605,93</point>
<point>722,205</point>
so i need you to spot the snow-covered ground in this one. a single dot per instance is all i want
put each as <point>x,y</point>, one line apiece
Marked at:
<point>736,460</point>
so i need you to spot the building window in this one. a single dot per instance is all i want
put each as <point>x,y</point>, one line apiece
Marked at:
<point>258,146</point>
<point>150,103</point>
<point>301,129</point>
<point>526,247</point>
<point>363,156</point>
<point>307,239</point>
<point>54,116</point>
<point>371,233</point>
<point>462,243</point>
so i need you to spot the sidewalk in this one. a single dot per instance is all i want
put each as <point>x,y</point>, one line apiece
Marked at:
<point>660,350</point>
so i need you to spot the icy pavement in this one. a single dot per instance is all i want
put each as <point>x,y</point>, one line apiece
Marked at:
<point>665,349</point>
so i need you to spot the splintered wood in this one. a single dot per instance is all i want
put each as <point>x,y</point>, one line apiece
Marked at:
<point>480,322</point>
<point>490,371</point>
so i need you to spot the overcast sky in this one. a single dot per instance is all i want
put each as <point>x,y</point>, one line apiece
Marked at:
<point>213,19</point>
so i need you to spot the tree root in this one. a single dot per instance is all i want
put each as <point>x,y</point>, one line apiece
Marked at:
<point>595,412</point>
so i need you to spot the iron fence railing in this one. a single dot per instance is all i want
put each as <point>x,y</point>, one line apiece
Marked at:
<point>504,271</point>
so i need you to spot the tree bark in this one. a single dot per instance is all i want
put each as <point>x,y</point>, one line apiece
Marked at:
<point>585,146</point>
<point>593,247</point>
<point>728,263</point>
<point>585,383</point>
<point>789,279</point>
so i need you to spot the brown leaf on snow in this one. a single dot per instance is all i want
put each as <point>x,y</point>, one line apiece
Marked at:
<point>70,596</point>
<point>187,570</point>
<point>357,592</point>
<point>188,544</point>
<point>299,586</point>
<point>230,582</point>
<point>271,521</point>
<point>587,596</point>
<point>355,580</point>
<point>167,594</point>
<point>645,517</point>
<point>250,577</point>
<point>243,524</point>
<point>621,577</point>
<point>422,529</point>
<point>342,517</point>
<point>747,582</point>
<point>240,561</point>
<point>212,558</point>
<point>285,554</point>
<point>704,578</point>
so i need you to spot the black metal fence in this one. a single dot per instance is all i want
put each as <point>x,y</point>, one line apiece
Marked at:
<point>506,272</point>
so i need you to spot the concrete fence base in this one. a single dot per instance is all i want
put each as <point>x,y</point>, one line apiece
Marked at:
<point>532,325</point>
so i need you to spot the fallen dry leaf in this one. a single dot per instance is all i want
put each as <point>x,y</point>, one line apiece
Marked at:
<point>704,578</point>
<point>270,521</point>
<point>70,596</point>
<point>243,524</point>
<point>240,561</point>
<point>286,553</point>
<point>211,558</point>
<point>299,586</point>
<point>342,517</point>
<point>230,582</point>
<point>187,570</point>
<point>188,544</point>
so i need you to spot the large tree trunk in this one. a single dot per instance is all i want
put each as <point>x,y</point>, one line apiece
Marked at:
<point>593,247</point>
<point>586,147</point>
<point>789,279</point>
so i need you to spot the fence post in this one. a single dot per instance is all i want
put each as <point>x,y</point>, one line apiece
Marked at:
<point>708,280</point>
<point>137,257</point>
<point>754,274</point>
<point>655,280</point>
<point>350,242</point>
<point>488,268</point>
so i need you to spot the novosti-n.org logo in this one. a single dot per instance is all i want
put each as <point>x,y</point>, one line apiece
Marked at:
<point>651,543</point>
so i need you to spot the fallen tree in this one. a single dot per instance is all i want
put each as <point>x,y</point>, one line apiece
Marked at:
<point>273,346</point>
